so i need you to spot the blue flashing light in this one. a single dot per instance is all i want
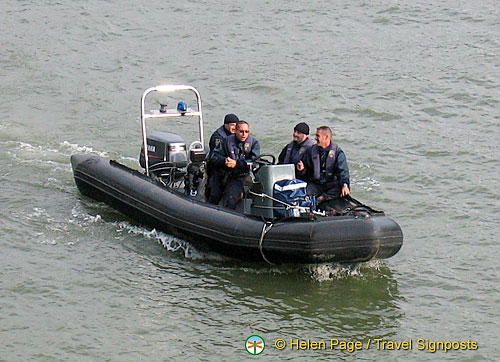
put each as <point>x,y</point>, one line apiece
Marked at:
<point>182,107</point>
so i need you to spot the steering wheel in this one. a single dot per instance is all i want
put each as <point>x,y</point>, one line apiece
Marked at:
<point>263,160</point>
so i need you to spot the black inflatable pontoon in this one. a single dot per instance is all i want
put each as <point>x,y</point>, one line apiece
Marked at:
<point>164,197</point>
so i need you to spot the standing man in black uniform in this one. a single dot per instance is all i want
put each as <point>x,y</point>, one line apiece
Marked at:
<point>324,167</point>
<point>221,133</point>
<point>232,157</point>
<point>295,150</point>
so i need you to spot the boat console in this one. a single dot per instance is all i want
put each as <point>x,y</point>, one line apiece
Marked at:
<point>267,176</point>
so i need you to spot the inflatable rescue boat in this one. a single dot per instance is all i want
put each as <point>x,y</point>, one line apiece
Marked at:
<point>168,194</point>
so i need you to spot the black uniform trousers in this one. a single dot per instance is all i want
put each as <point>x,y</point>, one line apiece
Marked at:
<point>230,192</point>
<point>332,200</point>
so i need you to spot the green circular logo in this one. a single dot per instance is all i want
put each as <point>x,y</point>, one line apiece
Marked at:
<point>255,345</point>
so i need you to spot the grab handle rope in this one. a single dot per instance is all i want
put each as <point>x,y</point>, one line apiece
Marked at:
<point>265,229</point>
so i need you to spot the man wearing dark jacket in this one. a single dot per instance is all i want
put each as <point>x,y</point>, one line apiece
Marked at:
<point>223,131</point>
<point>295,150</point>
<point>232,157</point>
<point>219,135</point>
<point>324,167</point>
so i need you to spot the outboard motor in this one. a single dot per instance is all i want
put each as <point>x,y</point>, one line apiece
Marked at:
<point>167,155</point>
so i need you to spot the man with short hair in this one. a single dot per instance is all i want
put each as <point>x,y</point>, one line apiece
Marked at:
<point>232,157</point>
<point>295,150</point>
<point>324,167</point>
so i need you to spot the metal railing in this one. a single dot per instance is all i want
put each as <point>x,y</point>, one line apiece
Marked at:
<point>169,88</point>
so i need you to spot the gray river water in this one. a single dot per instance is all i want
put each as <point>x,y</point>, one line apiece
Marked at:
<point>412,92</point>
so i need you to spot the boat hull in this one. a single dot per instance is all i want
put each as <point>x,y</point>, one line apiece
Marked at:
<point>342,239</point>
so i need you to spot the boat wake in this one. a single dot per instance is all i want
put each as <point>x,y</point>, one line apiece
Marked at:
<point>331,271</point>
<point>55,154</point>
<point>50,158</point>
<point>169,242</point>
<point>72,147</point>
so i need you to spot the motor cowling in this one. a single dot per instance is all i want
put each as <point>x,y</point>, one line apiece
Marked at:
<point>164,147</point>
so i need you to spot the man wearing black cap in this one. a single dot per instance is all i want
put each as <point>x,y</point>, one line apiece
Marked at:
<point>221,133</point>
<point>218,137</point>
<point>294,151</point>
